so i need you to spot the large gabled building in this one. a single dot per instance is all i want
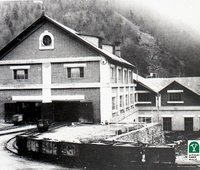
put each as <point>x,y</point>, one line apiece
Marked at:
<point>51,71</point>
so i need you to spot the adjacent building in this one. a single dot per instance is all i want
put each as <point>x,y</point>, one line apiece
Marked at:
<point>174,102</point>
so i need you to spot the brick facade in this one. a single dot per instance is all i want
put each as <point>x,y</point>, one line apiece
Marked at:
<point>91,73</point>
<point>34,75</point>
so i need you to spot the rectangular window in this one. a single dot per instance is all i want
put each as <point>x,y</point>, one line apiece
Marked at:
<point>144,119</point>
<point>119,75</point>
<point>188,122</point>
<point>75,72</point>
<point>130,77</point>
<point>121,101</point>
<point>167,124</point>
<point>127,100</point>
<point>112,72</point>
<point>20,74</point>
<point>131,98</point>
<point>114,103</point>
<point>125,76</point>
<point>175,96</point>
<point>143,97</point>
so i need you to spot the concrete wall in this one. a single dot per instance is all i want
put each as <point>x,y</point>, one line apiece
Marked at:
<point>91,73</point>
<point>150,133</point>
<point>177,116</point>
<point>178,119</point>
<point>92,95</point>
<point>64,46</point>
<point>6,97</point>
<point>34,75</point>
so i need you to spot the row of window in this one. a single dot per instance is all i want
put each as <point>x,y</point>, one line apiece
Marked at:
<point>22,74</point>
<point>128,101</point>
<point>119,75</point>
<point>72,72</point>
<point>146,97</point>
<point>144,119</point>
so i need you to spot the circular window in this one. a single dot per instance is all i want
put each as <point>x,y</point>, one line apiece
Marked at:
<point>47,40</point>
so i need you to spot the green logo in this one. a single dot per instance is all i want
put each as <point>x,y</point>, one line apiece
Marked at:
<point>193,147</point>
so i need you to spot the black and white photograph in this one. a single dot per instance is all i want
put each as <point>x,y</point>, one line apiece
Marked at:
<point>99,84</point>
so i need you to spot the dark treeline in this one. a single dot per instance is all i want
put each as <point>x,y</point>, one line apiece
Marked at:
<point>148,46</point>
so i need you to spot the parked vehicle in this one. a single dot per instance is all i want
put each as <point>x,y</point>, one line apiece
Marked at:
<point>17,119</point>
<point>43,125</point>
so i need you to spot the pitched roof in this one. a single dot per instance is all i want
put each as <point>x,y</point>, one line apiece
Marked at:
<point>75,34</point>
<point>144,82</point>
<point>191,83</point>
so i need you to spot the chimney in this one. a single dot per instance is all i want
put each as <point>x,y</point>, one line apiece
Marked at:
<point>153,75</point>
<point>117,49</point>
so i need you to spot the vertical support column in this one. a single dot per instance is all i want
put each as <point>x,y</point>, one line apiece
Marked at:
<point>46,80</point>
<point>158,100</point>
<point>118,100</point>
<point>105,92</point>
<point>117,73</point>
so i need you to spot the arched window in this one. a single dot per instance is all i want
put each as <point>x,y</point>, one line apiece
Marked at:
<point>46,41</point>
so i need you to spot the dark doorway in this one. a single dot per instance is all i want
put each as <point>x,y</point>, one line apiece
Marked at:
<point>10,110</point>
<point>31,111</point>
<point>167,124</point>
<point>188,124</point>
<point>73,112</point>
<point>66,111</point>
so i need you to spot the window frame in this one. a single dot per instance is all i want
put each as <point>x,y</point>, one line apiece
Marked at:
<point>17,77</point>
<point>167,126</point>
<point>119,75</point>
<point>81,66</point>
<point>112,73</point>
<point>174,96</point>
<point>125,76</point>
<point>144,119</point>
<point>69,73</point>
<point>121,101</point>
<point>14,69</point>
<point>42,46</point>
<point>114,103</point>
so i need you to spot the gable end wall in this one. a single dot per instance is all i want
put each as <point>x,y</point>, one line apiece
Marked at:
<point>65,46</point>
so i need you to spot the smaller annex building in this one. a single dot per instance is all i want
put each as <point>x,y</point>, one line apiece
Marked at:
<point>51,71</point>
<point>174,102</point>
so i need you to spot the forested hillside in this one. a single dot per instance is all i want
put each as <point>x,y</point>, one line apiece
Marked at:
<point>143,44</point>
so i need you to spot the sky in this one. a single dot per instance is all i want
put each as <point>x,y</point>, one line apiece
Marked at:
<point>184,11</point>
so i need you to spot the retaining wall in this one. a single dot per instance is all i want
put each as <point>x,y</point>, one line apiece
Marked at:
<point>149,134</point>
